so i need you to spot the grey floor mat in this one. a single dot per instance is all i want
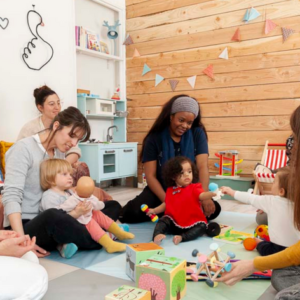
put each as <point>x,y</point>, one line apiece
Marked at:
<point>83,284</point>
<point>269,294</point>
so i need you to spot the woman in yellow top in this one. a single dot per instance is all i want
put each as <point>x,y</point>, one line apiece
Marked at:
<point>285,264</point>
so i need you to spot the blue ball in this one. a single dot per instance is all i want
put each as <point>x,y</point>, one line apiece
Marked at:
<point>212,187</point>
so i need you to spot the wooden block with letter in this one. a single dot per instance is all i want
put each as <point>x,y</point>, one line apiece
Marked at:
<point>126,292</point>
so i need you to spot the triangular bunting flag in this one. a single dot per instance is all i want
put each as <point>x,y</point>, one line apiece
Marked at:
<point>173,84</point>
<point>236,36</point>
<point>136,53</point>
<point>128,40</point>
<point>246,16</point>
<point>158,79</point>
<point>269,26</point>
<point>146,69</point>
<point>192,81</point>
<point>224,54</point>
<point>209,71</point>
<point>253,14</point>
<point>287,32</point>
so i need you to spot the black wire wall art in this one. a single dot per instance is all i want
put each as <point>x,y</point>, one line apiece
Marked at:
<point>4,23</point>
<point>36,45</point>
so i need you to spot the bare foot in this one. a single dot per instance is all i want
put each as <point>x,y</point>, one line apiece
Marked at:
<point>158,239</point>
<point>177,239</point>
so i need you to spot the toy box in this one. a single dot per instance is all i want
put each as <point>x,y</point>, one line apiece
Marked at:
<point>137,253</point>
<point>126,292</point>
<point>163,276</point>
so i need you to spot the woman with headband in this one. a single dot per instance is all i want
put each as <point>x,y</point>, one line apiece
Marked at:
<point>178,131</point>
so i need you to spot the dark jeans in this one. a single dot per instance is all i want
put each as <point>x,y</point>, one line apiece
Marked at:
<point>166,225</point>
<point>53,227</point>
<point>132,213</point>
<point>267,248</point>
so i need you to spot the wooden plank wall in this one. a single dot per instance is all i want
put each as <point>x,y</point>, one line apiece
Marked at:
<point>253,93</point>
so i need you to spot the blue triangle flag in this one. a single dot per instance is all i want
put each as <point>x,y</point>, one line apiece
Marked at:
<point>253,14</point>
<point>246,16</point>
<point>158,79</point>
<point>146,69</point>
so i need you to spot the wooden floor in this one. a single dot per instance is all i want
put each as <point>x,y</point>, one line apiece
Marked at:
<point>124,194</point>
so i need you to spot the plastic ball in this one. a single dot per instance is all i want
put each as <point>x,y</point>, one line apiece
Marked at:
<point>212,187</point>
<point>144,207</point>
<point>249,244</point>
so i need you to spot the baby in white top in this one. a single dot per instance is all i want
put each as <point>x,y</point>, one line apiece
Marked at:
<point>280,211</point>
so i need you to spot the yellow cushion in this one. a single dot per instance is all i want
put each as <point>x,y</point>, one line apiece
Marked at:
<point>4,146</point>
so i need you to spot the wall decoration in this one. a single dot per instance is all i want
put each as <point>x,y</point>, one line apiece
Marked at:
<point>34,18</point>
<point>224,54</point>
<point>237,35</point>
<point>146,69</point>
<point>269,26</point>
<point>209,71</point>
<point>173,84</point>
<point>246,16</point>
<point>192,81</point>
<point>112,33</point>
<point>158,79</point>
<point>286,33</point>
<point>128,40</point>
<point>253,14</point>
<point>4,23</point>
<point>136,53</point>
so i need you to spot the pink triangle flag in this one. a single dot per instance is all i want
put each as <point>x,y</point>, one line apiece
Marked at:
<point>192,81</point>
<point>269,26</point>
<point>128,40</point>
<point>136,53</point>
<point>209,71</point>
<point>173,84</point>
<point>286,33</point>
<point>236,36</point>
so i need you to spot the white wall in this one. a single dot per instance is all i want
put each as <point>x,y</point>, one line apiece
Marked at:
<point>17,82</point>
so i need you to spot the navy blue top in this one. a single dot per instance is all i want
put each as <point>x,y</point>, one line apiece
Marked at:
<point>153,149</point>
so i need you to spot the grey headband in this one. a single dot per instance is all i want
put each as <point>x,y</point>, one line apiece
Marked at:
<point>187,104</point>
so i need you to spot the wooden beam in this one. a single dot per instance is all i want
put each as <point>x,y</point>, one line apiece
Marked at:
<point>156,6</point>
<point>207,24</point>
<point>243,93</point>
<point>195,11</point>
<point>243,78</point>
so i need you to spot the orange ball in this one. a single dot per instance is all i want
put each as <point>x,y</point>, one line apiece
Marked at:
<point>249,244</point>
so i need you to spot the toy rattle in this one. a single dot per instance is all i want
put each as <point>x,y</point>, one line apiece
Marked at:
<point>213,187</point>
<point>145,208</point>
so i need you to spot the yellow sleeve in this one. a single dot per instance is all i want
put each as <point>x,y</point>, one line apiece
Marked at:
<point>286,258</point>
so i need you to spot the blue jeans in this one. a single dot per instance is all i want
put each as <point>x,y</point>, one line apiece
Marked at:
<point>287,282</point>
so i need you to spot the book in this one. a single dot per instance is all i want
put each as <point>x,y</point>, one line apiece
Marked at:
<point>232,236</point>
<point>93,41</point>
<point>104,47</point>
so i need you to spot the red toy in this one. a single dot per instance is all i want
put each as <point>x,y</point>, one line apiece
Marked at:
<point>145,208</point>
<point>262,232</point>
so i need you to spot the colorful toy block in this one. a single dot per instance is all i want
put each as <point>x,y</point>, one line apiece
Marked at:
<point>126,292</point>
<point>163,276</point>
<point>137,253</point>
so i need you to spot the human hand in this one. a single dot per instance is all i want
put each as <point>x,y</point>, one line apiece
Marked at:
<point>83,208</point>
<point>260,212</point>
<point>40,252</point>
<point>208,207</point>
<point>17,246</point>
<point>207,196</point>
<point>227,190</point>
<point>150,212</point>
<point>240,270</point>
<point>8,234</point>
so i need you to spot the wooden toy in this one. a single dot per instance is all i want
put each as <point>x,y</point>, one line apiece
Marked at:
<point>232,156</point>
<point>232,236</point>
<point>249,244</point>
<point>164,276</point>
<point>137,253</point>
<point>212,265</point>
<point>145,208</point>
<point>126,292</point>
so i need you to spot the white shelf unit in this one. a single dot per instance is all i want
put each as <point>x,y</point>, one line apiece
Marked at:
<point>99,72</point>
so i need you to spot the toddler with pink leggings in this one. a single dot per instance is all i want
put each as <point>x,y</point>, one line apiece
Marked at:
<point>56,179</point>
